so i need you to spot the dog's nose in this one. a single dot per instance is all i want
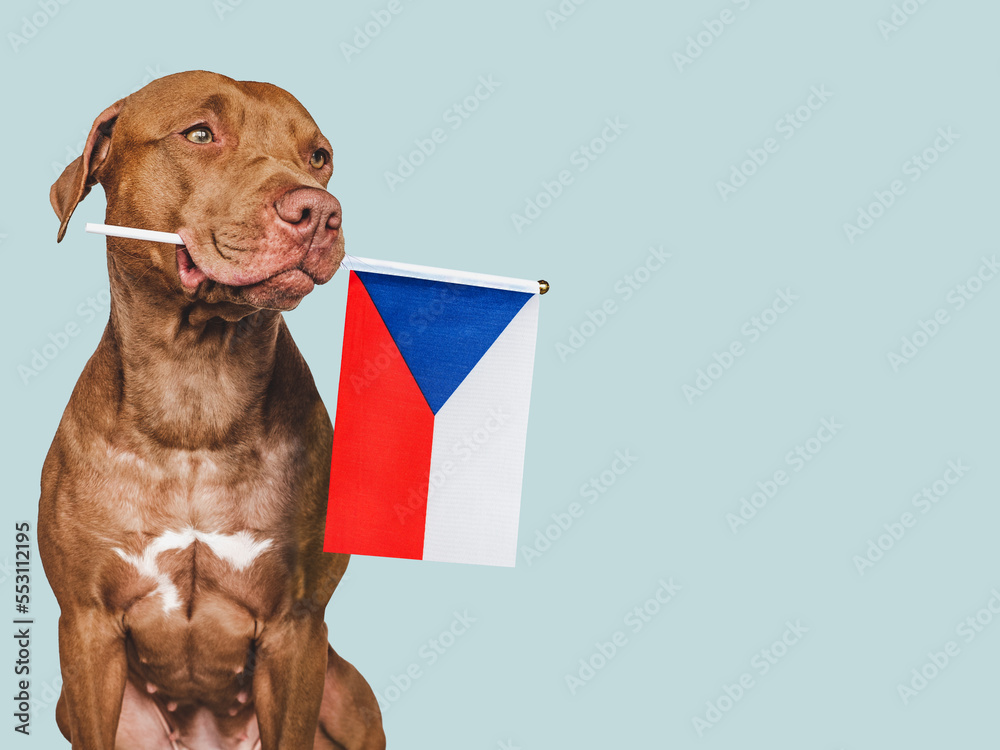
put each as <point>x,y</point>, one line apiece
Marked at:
<point>313,213</point>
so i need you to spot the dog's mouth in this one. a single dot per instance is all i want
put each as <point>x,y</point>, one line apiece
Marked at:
<point>290,281</point>
<point>191,276</point>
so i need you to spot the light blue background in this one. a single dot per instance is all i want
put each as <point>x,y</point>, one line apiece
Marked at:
<point>503,683</point>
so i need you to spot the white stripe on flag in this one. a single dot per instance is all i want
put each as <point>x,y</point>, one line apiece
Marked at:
<point>477,456</point>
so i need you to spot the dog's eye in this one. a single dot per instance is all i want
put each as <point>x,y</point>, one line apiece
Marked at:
<point>199,135</point>
<point>318,160</point>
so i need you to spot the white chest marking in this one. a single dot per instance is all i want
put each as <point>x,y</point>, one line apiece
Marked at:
<point>239,550</point>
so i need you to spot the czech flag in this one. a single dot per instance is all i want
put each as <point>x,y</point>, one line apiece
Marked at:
<point>432,414</point>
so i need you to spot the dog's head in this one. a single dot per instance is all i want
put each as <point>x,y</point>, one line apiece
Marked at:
<point>237,168</point>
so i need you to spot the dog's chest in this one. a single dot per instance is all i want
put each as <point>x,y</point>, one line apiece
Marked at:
<point>203,529</point>
<point>178,564</point>
<point>208,556</point>
<point>200,598</point>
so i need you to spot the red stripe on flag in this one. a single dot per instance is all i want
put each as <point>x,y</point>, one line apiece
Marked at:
<point>381,443</point>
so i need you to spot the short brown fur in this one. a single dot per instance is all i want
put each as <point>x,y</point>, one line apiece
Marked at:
<point>198,416</point>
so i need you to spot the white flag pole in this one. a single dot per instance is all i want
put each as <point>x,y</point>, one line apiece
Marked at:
<point>135,234</point>
<point>353,263</point>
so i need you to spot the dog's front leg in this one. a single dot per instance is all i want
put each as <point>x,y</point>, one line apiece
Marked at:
<point>92,656</point>
<point>288,681</point>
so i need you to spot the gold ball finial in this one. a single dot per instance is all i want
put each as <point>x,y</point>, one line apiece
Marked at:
<point>543,286</point>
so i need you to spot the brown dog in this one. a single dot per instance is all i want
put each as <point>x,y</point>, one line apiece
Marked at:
<point>183,498</point>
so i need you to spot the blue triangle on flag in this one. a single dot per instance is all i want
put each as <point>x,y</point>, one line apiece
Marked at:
<point>441,329</point>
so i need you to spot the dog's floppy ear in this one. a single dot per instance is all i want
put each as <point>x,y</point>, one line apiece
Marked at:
<point>80,176</point>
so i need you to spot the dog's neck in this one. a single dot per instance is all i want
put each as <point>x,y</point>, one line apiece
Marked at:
<point>194,375</point>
